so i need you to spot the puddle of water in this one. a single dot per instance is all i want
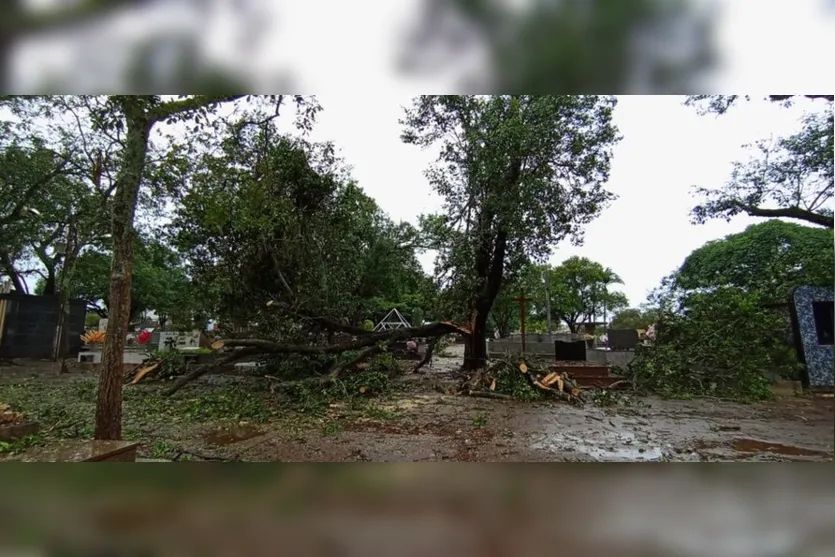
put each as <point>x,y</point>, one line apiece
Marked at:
<point>620,446</point>
<point>227,436</point>
<point>754,446</point>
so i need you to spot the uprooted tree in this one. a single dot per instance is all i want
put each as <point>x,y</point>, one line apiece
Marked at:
<point>269,217</point>
<point>517,175</point>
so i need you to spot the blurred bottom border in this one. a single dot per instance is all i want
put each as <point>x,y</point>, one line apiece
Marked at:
<point>421,509</point>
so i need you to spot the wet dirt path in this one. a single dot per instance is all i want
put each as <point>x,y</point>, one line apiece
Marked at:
<point>421,421</point>
<point>427,425</point>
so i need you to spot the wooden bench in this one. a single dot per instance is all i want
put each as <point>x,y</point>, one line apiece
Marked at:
<point>84,451</point>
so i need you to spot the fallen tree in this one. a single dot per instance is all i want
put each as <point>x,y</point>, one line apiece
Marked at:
<point>368,343</point>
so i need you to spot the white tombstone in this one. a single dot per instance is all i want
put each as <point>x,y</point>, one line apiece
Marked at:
<point>188,340</point>
<point>103,324</point>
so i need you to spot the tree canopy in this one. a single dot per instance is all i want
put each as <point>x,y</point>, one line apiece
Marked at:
<point>723,324</point>
<point>634,318</point>
<point>517,175</point>
<point>769,258</point>
<point>791,177</point>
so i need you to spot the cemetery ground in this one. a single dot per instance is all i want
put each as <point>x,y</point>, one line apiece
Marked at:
<point>414,417</point>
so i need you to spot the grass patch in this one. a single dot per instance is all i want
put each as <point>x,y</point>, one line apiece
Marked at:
<point>373,412</point>
<point>10,448</point>
<point>331,428</point>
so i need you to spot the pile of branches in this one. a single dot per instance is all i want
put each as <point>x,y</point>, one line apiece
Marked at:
<point>367,343</point>
<point>498,380</point>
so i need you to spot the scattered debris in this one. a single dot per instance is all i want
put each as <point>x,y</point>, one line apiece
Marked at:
<point>144,370</point>
<point>8,417</point>
<point>501,374</point>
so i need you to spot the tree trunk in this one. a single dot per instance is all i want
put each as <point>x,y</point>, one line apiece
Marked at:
<point>14,276</point>
<point>50,283</point>
<point>109,403</point>
<point>475,351</point>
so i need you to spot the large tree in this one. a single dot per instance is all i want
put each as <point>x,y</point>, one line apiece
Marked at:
<point>30,175</point>
<point>769,258</point>
<point>160,281</point>
<point>136,117</point>
<point>517,174</point>
<point>580,291</point>
<point>791,177</point>
<point>634,318</point>
<point>722,322</point>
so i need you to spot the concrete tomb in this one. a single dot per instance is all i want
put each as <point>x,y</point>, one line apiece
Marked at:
<point>570,351</point>
<point>622,339</point>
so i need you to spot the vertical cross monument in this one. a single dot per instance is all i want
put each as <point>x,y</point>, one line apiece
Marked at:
<point>521,299</point>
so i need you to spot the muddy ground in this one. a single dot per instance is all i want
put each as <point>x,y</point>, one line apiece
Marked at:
<point>242,418</point>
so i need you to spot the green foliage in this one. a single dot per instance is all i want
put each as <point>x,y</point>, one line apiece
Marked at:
<point>719,343</point>
<point>634,318</point>
<point>160,282</point>
<point>580,291</point>
<point>92,319</point>
<point>771,258</point>
<point>511,382</point>
<point>228,404</point>
<point>20,445</point>
<point>268,216</point>
<point>517,175</point>
<point>789,177</point>
<point>578,47</point>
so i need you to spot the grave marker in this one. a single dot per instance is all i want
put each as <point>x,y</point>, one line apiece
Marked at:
<point>812,317</point>
<point>623,339</point>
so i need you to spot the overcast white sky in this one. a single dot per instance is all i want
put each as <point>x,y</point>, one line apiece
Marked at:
<point>645,234</point>
<point>329,48</point>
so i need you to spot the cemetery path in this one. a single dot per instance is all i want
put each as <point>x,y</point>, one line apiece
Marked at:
<point>227,417</point>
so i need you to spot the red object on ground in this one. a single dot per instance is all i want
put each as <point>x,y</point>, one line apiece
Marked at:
<point>143,337</point>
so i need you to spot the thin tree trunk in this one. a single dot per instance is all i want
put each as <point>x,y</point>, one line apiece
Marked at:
<point>109,403</point>
<point>10,270</point>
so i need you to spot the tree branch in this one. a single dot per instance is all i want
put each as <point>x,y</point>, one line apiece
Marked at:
<point>30,192</point>
<point>393,335</point>
<point>324,322</point>
<point>170,108</point>
<point>203,369</point>
<point>778,98</point>
<point>788,212</point>
<point>372,343</point>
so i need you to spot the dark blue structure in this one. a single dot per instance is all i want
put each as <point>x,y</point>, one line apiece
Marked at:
<point>812,309</point>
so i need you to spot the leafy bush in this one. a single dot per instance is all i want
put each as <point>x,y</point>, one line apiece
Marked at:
<point>719,343</point>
